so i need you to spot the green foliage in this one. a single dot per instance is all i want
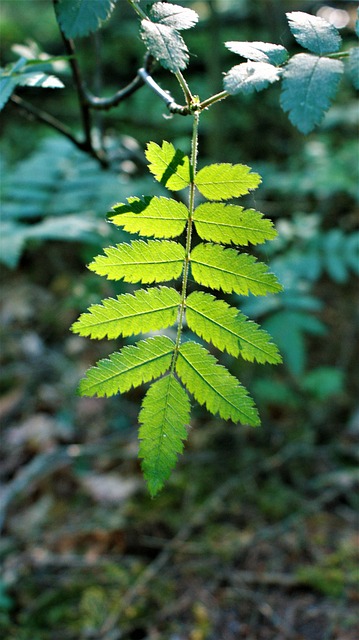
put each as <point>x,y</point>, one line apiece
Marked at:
<point>80,17</point>
<point>169,166</point>
<point>165,410</point>
<point>26,73</point>
<point>160,33</point>
<point>314,33</point>
<point>160,217</point>
<point>309,81</point>
<point>224,181</point>
<point>308,87</point>
<point>43,196</point>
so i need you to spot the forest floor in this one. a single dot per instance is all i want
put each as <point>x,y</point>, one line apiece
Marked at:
<point>254,537</point>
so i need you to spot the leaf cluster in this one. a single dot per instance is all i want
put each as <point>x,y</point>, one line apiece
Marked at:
<point>309,80</point>
<point>176,368</point>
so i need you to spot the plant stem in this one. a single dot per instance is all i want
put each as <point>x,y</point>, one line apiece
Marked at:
<point>60,127</point>
<point>216,98</point>
<point>192,189</point>
<point>185,88</point>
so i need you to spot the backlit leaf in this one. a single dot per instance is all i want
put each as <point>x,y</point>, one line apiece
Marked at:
<point>128,368</point>
<point>259,51</point>
<point>213,386</point>
<point>170,166</point>
<point>309,84</point>
<point>143,311</point>
<point>224,181</point>
<point>226,223</point>
<point>173,15</point>
<point>165,44</point>
<point>250,76</point>
<point>228,329</point>
<point>314,33</point>
<point>158,217</point>
<point>220,268</point>
<point>163,417</point>
<point>39,79</point>
<point>139,261</point>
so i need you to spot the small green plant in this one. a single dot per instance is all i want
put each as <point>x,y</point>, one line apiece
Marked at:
<point>177,365</point>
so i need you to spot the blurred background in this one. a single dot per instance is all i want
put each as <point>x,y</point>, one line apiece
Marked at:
<point>255,535</point>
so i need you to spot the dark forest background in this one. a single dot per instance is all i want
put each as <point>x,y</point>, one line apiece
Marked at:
<point>255,535</point>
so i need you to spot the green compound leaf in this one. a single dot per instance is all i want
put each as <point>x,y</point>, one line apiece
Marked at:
<point>139,261</point>
<point>165,44</point>
<point>250,76</point>
<point>173,15</point>
<point>141,312</point>
<point>164,415</point>
<point>153,216</point>
<point>353,64</point>
<point>128,368</point>
<point>314,33</point>
<point>224,181</point>
<point>81,17</point>
<point>169,166</point>
<point>259,51</point>
<point>228,329</point>
<point>309,84</point>
<point>220,268</point>
<point>213,386</point>
<point>226,223</point>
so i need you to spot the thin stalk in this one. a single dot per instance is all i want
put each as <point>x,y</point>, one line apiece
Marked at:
<point>216,98</point>
<point>192,189</point>
<point>185,88</point>
<point>138,9</point>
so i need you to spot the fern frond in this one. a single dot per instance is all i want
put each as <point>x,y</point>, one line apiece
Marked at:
<point>153,216</point>
<point>228,329</point>
<point>164,415</point>
<point>143,311</point>
<point>220,268</point>
<point>224,181</point>
<point>139,261</point>
<point>169,166</point>
<point>226,223</point>
<point>213,386</point>
<point>128,368</point>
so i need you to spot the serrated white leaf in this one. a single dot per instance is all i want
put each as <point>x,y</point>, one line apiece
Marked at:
<point>165,44</point>
<point>259,51</point>
<point>173,15</point>
<point>309,84</point>
<point>39,79</point>
<point>314,33</point>
<point>250,76</point>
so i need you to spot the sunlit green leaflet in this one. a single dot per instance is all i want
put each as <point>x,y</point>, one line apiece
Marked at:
<point>178,367</point>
